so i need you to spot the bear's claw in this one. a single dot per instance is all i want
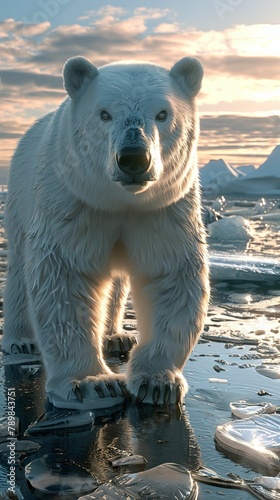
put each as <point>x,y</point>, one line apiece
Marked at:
<point>99,391</point>
<point>159,393</point>
<point>78,393</point>
<point>119,345</point>
<point>111,389</point>
<point>142,392</point>
<point>158,390</point>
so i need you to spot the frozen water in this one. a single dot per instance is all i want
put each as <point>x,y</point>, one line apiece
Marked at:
<point>255,438</point>
<point>241,409</point>
<point>165,481</point>
<point>51,474</point>
<point>233,228</point>
<point>56,420</point>
<point>271,370</point>
<point>243,267</point>
<point>129,460</point>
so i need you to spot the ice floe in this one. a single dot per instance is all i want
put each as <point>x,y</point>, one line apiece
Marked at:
<point>270,370</point>
<point>243,267</point>
<point>256,439</point>
<point>129,460</point>
<point>164,482</point>
<point>242,409</point>
<point>60,420</point>
<point>52,474</point>
<point>264,487</point>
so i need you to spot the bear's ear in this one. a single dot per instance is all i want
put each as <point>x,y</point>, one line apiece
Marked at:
<point>77,73</point>
<point>188,72</point>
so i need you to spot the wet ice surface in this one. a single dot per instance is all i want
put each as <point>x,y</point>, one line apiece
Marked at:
<point>237,359</point>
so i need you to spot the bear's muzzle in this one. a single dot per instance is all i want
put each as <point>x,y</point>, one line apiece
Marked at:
<point>134,161</point>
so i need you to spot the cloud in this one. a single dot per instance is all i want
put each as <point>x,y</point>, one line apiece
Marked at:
<point>166,28</point>
<point>255,67</point>
<point>236,125</point>
<point>242,70</point>
<point>10,27</point>
<point>14,78</point>
<point>234,137</point>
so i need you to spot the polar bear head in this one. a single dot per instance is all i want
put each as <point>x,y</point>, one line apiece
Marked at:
<point>132,131</point>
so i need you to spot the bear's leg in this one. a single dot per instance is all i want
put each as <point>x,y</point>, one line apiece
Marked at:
<point>171,310</point>
<point>18,331</point>
<point>69,307</point>
<point>117,343</point>
<point>117,301</point>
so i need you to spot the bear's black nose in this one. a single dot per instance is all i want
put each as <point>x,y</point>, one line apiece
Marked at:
<point>134,160</point>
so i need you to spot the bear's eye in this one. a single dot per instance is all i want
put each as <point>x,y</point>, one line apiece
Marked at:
<point>105,116</point>
<point>161,116</point>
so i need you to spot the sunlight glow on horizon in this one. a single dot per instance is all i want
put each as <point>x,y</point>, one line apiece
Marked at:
<point>241,82</point>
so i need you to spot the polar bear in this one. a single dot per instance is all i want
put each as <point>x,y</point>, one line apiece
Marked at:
<point>105,188</point>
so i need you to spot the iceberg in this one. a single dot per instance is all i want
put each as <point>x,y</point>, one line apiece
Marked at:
<point>264,181</point>
<point>216,175</point>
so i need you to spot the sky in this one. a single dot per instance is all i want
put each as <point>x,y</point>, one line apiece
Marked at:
<point>237,41</point>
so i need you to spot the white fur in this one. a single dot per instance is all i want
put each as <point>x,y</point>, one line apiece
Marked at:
<point>72,226</point>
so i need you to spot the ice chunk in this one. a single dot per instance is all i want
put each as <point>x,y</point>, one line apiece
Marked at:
<point>230,229</point>
<point>241,409</point>
<point>243,267</point>
<point>164,482</point>
<point>54,475</point>
<point>266,487</point>
<point>270,370</point>
<point>60,420</point>
<point>129,460</point>
<point>255,438</point>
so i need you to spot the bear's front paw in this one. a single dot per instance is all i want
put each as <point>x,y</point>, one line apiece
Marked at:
<point>163,389</point>
<point>101,386</point>
<point>92,393</point>
<point>119,345</point>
